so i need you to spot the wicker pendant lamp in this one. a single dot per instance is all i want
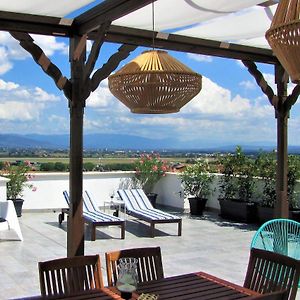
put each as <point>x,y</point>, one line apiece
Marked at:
<point>284,37</point>
<point>155,83</point>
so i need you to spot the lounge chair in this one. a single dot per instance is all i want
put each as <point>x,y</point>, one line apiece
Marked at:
<point>138,205</point>
<point>8,218</point>
<point>93,216</point>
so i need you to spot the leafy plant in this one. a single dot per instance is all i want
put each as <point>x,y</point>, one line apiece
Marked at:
<point>18,176</point>
<point>149,169</point>
<point>197,180</point>
<point>293,175</point>
<point>237,181</point>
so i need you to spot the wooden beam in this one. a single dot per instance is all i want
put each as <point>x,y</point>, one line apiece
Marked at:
<point>126,35</point>
<point>281,209</point>
<point>75,241</point>
<point>94,54</point>
<point>35,24</point>
<point>111,65</point>
<point>292,98</point>
<point>260,80</point>
<point>107,11</point>
<point>45,63</point>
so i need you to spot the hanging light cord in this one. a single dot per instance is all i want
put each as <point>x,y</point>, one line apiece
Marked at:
<point>153,25</point>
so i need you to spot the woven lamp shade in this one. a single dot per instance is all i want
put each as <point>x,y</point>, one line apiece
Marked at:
<point>155,83</point>
<point>284,37</point>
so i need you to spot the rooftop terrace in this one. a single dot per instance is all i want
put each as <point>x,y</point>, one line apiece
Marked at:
<point>207,244</point>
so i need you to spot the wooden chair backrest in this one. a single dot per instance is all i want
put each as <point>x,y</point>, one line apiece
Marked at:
<point>149,263</point>
<point>269,272</point>
<point>65,276</point>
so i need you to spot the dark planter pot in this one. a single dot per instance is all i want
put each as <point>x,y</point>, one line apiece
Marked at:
<point>197,205</point>
<point>295,214</point>
<point>265,214</point>
<point>152,197</point>
<point>18,206</point>
<point>236,210</point>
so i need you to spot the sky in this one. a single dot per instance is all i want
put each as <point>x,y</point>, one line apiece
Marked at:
<point>230,108</point>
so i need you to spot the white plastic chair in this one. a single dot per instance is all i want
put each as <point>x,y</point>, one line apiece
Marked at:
<point>11,223</point>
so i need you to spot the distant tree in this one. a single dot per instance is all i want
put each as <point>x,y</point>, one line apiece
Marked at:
<point>61,167</point>
<point>48,166</point>
<point>89,166</point>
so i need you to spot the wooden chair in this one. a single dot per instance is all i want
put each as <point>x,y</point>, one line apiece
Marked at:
<point>149,263</point>
<point>269,272</point>
<point>65,276</point>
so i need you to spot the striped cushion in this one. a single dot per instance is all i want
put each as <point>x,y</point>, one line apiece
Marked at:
<point>91,211</point>
<point>137,203</point>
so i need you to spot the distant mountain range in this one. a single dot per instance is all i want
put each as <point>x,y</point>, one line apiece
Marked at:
<point>125,142</point>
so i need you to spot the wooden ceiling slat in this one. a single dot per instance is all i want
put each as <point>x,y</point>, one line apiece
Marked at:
<point>35,24</point>
<point>107,11</point>
<point>119,34</point>
<point>111,10</point>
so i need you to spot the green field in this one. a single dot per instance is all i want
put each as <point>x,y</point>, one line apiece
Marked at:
<point>93,160</point>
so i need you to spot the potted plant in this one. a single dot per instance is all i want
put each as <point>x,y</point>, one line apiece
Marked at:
<point>293,176</point>
<point>197,181</point>
<point>149,168</point>
<point>236,187</point>
<point>18,176</point>
<point>267,171</point>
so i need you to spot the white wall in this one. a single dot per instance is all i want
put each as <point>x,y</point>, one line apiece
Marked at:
<point>3,181</point>
<point>100,185</point>
<point>50,187</point>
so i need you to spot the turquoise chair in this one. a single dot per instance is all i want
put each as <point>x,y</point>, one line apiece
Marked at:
<point>280,236</point>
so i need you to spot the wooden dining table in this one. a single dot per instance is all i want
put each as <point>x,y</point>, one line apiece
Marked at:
<point>197,285</point>
<point>103,294</point>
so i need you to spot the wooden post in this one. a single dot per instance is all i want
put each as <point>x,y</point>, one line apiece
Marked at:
<point>75,242</point>
<point>282,113</point>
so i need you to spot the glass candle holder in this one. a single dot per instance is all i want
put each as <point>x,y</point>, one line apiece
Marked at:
<point>127,276</point>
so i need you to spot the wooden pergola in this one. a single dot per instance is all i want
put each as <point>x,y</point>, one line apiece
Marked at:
<point>95,25</point>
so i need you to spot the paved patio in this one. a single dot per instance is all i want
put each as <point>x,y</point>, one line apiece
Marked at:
<point>207,244</point>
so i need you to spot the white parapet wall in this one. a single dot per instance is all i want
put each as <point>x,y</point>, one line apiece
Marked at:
<point>50,186</point>
<point>101,185</point>
<point>3,182</point>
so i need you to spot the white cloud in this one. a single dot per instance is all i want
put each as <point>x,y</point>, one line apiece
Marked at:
<point>19,111</point>
<point>213,114</point>
<point>21,103</point>
<point>248,84</point>
<point>102,99</point>
<point>50,45</point>
<point>8,86</point>
<point>214,100</point>
<point>42,96</point>
<point>200,57</point>
<point>10,49</point>
<point>270,78</point>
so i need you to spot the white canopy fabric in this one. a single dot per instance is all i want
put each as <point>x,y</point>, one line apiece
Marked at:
<point>53,8</point>
<point>236,21</point>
